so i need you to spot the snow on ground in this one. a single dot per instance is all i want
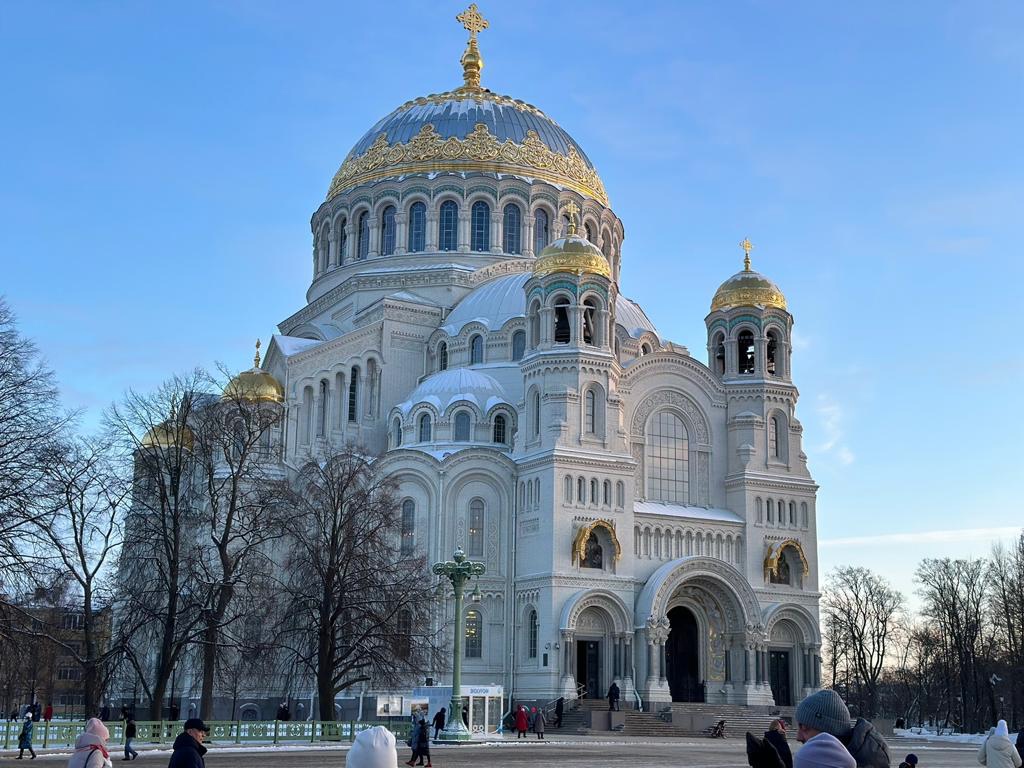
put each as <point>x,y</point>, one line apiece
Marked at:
<point>927,734</point>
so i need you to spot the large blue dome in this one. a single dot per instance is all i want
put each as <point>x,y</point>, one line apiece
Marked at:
<point>467,130</point>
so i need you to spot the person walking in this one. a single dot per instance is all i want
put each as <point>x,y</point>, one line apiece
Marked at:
<point>776,736</point>
<point>613,697</point>
<point>539,721</point>
<point>825,711</point>
<point>423,743</point>
<point>130,729</point>
<point>25,738</point>
<point>48,713</point>
<point>997,751</point>
<point>559,711</point>
<point>188,747</point>
<point>91,747</point>
<point>522,722</point>
<point>438,721</point>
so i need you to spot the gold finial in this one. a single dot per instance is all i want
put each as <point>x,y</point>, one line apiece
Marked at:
<point>472,61</point>
<point>256,358</point>
<point>747,247</point>
<point>573,210</point>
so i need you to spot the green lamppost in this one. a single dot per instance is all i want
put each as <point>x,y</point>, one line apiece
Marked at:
<point>459,570</point>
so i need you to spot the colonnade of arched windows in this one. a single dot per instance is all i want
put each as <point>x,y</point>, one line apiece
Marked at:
<point>594,493</point>
<point>782,513</point>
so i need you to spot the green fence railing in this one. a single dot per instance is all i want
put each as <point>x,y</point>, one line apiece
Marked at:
<point>62,733</point>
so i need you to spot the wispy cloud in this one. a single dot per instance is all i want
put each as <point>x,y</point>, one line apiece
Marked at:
<point>923,537</point>
<point>832,416</point>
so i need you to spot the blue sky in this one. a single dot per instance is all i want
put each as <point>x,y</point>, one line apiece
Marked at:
<point>161,161</point>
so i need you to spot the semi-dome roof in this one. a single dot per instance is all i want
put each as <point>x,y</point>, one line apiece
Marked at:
<point>446,388</point>
<point>748,289</point>
<point>469,129</point>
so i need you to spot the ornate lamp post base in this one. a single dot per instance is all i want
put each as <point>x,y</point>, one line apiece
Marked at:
<point>455,732</point>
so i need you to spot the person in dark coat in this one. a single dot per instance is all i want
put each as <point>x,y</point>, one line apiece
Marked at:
<point>559,710</point>
<point>422,745</point>
<point>776,736</point>
<point>25,738</point>
<point>613,697</point>
<point>522,722</point>
<point>539,721</point>
<point>761,753</point>
<point>438,721</point>
<point>188,747</point>
<point>105,713</point>
<point>130,731</point>
<point>825,711</point>
<point>1020,743</point>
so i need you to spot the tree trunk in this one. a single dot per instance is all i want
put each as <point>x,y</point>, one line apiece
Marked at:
<point>210,637</point>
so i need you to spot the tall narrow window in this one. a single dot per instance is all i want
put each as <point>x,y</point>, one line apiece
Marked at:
<point>567,490</point>
<point>511,229</point>
<point>668,461</point>
<point>593,491</point>
<point>536,414</point>
<point>476,350</point>
<point>606,499</point>
<point>396,433</point>
<point>772,347</point>
<point>442,356</point>
<point>773,437</point>
<point>448,226</point>
<point>804,518</point>
<point>745,352</point>
<point>417,227</point>
<point>475,533</point>
<point>364,235</point>
<point>541,231</point>
<point>588,233</point>
<point>518,345</point>
<point>408,526</point>
<point>425,428</point>
<point>719,347</point>
<point>474,639</point>
<point>532,631</point>
<point>581,490</point>
<point>321,409</point>
<point>606,244</point>
<point>480,226</point>
<point>590,412</point>
<point>342,238</point>
<point>535,323</point>
<point>353,394</point>
<point>792,513</point>
<point>340,400</point>
<point>387,231</point>
<point>500,431</point>
<point>462,426</point>
<point>620,494</point>
<point>307,415</point>
<point>771,511</point>
<point>563,332</point>
<point>565,226</point>
<point>589,322</point>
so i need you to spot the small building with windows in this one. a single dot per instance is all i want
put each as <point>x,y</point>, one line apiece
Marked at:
<point>646,516</point>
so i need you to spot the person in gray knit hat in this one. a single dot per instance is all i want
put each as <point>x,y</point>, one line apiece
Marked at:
<point>825,711</point>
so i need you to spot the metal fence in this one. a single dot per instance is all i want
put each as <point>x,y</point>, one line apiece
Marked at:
<point>62,733</point>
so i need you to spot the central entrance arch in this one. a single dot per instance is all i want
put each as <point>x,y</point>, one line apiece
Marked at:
<point>682,656</point>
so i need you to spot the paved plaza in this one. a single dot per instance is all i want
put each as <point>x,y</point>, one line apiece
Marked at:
<point>565,752</point>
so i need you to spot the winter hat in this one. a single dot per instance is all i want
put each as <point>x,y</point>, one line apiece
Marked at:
<point>910,759</point>
<point>823,751</point>
<point>373,748</point>
<point>824,711</point>
<point>96,727</point>
<point>1002,729</point>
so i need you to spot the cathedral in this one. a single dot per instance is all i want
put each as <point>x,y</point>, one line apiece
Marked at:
<point>645,516</point>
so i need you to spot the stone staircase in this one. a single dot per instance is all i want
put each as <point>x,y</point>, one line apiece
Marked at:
<point>679,721</point>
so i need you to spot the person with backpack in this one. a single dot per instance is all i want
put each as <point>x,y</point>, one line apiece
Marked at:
<point>825,711</point>
<point>91,747</point>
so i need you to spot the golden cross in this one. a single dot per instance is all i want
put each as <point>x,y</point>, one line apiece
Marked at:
<point>256,359</point>
<point>573,210</point>
<point>747,247</point>
<point>472,21</point>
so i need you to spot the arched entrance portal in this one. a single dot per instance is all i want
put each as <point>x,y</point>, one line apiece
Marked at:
<point>682,656</point>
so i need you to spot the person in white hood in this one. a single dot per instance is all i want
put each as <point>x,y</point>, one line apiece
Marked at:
<point>91,747</point>
<point>373,748</point>
<point>998,751</point>
<point>823,751</point>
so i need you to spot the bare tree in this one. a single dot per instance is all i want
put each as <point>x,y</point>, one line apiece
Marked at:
<point>242,496</point>
<point>159,610</point>
<point>863,612</point>
<point>1006,576</point>
<point>364,604</point>
<point>78,537</point>
<point>30,425</point>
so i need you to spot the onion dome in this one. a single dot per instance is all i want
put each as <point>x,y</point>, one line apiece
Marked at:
<point>572,253</point>
<point>748,288</point>
<point>167,435</point>
<point>255,385</point>
<point>469,129</point>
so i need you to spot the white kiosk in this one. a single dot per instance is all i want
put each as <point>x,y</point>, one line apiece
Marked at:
<point>485,703</point>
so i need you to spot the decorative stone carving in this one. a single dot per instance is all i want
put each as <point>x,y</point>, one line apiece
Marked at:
<point>675,399</point>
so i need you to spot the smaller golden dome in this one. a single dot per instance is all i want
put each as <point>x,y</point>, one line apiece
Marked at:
<point>166,435</point>
<point>748,288</point>
<point>572,254</point>
<point>255,385</point>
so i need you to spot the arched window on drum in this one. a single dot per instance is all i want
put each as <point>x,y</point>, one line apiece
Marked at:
<point>511,229</point>
<point>480,226</point>
<point>425,428</point>
<point>417,227</point>
<point>387,231</point>
<point>541,231</point>
<point>363,244</point>
<point>448,226</point>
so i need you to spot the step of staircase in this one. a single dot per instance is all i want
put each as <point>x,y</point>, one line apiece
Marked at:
<point>738,719</point>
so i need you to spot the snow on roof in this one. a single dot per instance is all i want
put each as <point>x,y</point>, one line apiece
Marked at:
<point>415,298</point>
<point>292,345</point>
<point>693,513</point>
<point>630,316</point>
<point>493,304</point>
<point>456,384</point>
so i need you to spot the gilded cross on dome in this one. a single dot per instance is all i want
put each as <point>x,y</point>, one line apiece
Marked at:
<point>573,210</point>
<point>747,247</point>
<point>256,358</point>
<point>472,21</point>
